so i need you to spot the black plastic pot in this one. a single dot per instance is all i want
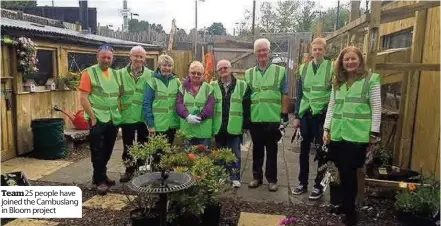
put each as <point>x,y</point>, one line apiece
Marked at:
<point>142,217</point>
<point>14,179</point>
<point>211,216</point>
<point>187,220</point>
<point>409,219</point>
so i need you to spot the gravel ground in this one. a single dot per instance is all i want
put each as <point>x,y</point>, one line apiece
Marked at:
<point>375,212</point>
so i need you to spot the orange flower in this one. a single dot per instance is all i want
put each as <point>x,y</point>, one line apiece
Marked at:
<point>411,187</point>
<point>191,156</point>
<point>215,154</point>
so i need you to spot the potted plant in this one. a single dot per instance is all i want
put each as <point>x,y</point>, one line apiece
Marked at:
<point>199,204</point>
<point>146,158</point>
<point>418,205</point>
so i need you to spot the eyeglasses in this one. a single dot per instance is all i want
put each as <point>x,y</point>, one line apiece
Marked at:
<point>196,73</point>
<point>223,68</point>
<point>105,48</point>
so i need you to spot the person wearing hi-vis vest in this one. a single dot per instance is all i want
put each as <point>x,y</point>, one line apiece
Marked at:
<point>313,90</point>
<point>160,100</point>
<point>195,106</point>
<point>133,82</point>
<point>232,114</point>
<point>269,113</point>
<point>352,123</point>
<point>99,92</point>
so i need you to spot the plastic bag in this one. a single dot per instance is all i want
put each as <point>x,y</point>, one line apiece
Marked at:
<point>297,138</point>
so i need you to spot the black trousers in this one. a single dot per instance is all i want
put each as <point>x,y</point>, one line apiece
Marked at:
<point>170,134</point>
<point>311,128</point>
<point>347,156</point>
<point>128,135</point>
<point>102,138</point>
<point>265,136</point>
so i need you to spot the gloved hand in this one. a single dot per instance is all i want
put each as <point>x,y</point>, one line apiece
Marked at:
<point>285,120</point>
<point>193,119</point>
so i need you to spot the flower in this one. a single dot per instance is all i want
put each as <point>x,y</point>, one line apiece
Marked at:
<point>191,156</point>
<point>411,187</point>
<point>201,148</point>
<point>288,221</point>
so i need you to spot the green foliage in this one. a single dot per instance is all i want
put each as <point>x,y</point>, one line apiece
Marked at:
<point>329,18</point>
<point>383,156</point>
<point>424,201</point>
<point>143,152</point>
<point>217,29</point>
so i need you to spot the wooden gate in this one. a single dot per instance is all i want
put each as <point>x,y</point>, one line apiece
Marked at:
<point>7,104</point>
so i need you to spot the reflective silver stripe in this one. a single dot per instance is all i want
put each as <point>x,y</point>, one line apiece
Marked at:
<point>235,113</point>
<point>321,99</point>
<point>161,97</point>
<point>306,89</point>
<point>339,101</point>
<point>271,101</point>
<point>160,110</point>
<point>320,88</point>
<point>356,100</point>
<point>352,116</point>
<point>365,89</point>
<point>101,107</point>
<point>328,73</point>
<point>276,78</point>
<point>305,67</point>
<point>137,102</point>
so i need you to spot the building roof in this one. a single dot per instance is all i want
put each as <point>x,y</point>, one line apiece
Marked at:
<point>70,34</point>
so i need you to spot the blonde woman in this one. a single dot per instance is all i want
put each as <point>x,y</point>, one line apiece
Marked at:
<point>352,123</point>
<point>195,105</point>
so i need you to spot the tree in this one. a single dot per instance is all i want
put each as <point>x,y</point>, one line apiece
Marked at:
<point>305,16</point>
<point>329,18</point>
<point>268,18</point>
<point>286,11</point>
<point>217,29</point>
<point>18,4</point>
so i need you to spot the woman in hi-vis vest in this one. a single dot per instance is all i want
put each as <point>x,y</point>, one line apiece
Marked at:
<point>195,106</point>
<point>352,124</point>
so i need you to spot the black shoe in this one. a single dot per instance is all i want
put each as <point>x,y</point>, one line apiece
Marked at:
<point>126,177</point>
<point>335,209</point>
<point>316,194</point>
<point>349,220</point>
<point>299,189</point>
<point>110,182</point>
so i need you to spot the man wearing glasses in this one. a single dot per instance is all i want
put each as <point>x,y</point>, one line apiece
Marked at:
<point>231,114</point>
<point>99,94</point>
<point>269,112</point>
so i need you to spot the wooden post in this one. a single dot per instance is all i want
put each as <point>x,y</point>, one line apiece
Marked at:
<point>354,14</point>
<point>410,84</point>
<point>372,46</point>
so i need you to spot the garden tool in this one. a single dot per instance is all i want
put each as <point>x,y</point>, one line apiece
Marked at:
<point>77,119</point>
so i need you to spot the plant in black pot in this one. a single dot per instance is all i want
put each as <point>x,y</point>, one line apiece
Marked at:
<point>418,205</point>
<point>199,205</point>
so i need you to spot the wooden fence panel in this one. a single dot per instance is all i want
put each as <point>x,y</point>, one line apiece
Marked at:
<point>182,60</point>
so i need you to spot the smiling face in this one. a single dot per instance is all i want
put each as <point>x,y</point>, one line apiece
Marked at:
<point>351,62</point>
<point>166,68</point>
<point>318,51</point>
<point>137,58</point>
<point>262,52</point>
<point>223,69</point>
<point>196,74</point>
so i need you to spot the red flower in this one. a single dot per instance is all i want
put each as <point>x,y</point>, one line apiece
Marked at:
<point>201,147</point>
<point>191,156</point>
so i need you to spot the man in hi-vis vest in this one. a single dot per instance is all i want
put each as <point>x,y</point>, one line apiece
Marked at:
<point>99,94</point>
<point>133,83</point>
<point>269,111</point>
<point>313,90</point>
<point>231,114</point>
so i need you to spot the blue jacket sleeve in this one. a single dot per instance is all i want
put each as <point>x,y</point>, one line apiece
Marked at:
<point>284,86</point>
<point>149,95</point>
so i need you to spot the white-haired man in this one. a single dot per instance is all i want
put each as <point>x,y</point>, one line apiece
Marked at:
<point>231,116</point>
<point>269,109</point>
<point>133,82</point>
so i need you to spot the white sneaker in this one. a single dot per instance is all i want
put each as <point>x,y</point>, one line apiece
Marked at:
<point>236,184</point>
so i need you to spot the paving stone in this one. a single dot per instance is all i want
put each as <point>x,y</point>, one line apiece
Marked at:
<point>33,169</point>
<point>255,219</point>
<point>261,194</point>
<point>33,222</point>
<point>109,201</point>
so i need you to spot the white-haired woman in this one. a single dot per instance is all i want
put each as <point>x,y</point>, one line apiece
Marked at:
<point>160,100</point>
<point>195,105</point>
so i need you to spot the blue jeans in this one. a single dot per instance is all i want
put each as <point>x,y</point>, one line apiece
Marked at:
<point>232,142</point>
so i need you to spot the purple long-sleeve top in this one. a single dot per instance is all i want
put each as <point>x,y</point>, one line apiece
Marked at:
<point>181,109</point>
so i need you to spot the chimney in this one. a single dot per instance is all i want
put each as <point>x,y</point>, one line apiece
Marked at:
<point>84,15</point>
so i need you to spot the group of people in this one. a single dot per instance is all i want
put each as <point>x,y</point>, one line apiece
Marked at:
<point>338,104</point>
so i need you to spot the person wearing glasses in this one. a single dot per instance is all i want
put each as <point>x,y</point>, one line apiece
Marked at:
<point>160,100</point>
<point>269,112</point>
<point>231,114</point>
<point>99,91</point>
<point>195,106</point>
<point>133,83</point>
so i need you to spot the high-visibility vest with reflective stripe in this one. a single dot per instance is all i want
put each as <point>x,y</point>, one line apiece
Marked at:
<point>235,117</point>
<point>164,103</point>
<point>266,98</point>
<point>316,87</point>
<point>352,117</point>
<point>133,95</point>
<point>194,105</point>
<point>104,96</point>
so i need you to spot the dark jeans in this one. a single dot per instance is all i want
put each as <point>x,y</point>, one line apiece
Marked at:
<point>102,138</point>
<point>265,135</point>
<point>347,156</point>
<point>198,141</point>
<point>233,142</point>
<point>170,134</point>
<point>311,127</point>
<point>128,135</point>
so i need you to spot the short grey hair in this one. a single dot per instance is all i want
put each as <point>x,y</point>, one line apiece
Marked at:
<point>137,48</point>
<point>221,61</point>
<point>164,58</point>
<point>260,41</point>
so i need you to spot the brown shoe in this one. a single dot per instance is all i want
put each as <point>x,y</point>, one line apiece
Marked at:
<point>102,189</point>
<point>273,187</point>
<point>125,178</point>
<point>254,183</point>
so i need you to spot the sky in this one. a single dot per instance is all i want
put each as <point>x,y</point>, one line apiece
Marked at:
<point>228,12</point>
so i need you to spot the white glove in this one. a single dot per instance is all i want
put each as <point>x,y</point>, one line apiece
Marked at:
<point>193,119</point>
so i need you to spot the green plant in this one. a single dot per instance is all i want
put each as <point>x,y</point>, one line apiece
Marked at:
<point>422,201</point>
<point>145,153</point>
<point>71,80</point>
<point>382,156</point>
